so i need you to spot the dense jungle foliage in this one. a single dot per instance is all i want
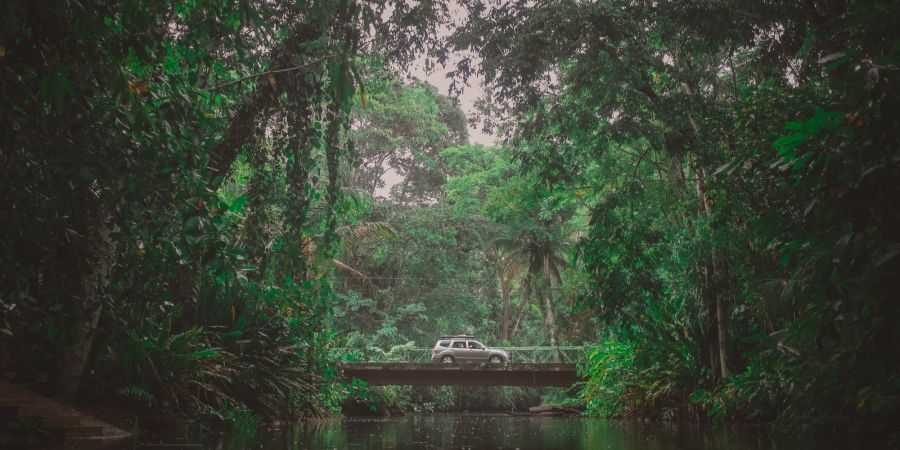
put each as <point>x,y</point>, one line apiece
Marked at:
<point>203,199</point>
<point>739,161</point>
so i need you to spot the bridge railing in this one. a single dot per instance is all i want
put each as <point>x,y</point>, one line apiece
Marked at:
<point>558,354</point>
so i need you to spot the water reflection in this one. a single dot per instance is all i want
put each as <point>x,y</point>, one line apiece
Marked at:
<point>491,432</point>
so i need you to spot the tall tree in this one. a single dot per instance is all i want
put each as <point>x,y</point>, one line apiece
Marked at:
<point>401,132</point>
<point>170,98</point>
<point>672,116</point>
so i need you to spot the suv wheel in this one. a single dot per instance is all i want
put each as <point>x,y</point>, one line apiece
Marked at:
<point>496,359</point>
<point>447,359</point>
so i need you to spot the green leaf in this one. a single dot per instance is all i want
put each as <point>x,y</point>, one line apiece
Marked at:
<point>790,141</point>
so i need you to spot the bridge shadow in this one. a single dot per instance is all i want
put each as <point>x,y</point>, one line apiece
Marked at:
<point>461,374</point>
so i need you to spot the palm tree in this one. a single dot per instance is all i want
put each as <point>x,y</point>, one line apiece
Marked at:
<point>541,257</point>
<point>350,235</point>
<point>508,268</point>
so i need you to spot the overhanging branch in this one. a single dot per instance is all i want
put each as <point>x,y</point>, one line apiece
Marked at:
<point>272,72</point>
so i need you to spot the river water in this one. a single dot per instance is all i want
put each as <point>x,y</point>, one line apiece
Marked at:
<point>488,432</point>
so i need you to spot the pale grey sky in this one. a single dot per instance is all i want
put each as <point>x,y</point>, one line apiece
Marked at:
<point>439,79</point>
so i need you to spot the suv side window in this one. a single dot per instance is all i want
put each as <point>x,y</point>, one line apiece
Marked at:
<point>475,345</point>
<point>444,343</point>
<point>459,344</point>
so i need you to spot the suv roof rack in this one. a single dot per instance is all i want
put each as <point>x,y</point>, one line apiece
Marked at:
<point>452,336</point>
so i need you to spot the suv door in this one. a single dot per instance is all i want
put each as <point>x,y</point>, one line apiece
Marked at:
<point>477,351</point>
<point>459,351</point>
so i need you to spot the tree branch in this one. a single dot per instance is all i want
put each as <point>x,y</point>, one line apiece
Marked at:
<point>243,123</point>
<point>271,72</point>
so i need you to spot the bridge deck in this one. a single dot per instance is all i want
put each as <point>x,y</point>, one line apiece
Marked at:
<point>462,374</point>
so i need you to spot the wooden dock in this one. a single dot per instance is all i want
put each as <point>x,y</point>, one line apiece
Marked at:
<point>58,422</point>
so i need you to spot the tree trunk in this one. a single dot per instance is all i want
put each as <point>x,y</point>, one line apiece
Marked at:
<point>550,319</point>
<point>714,286</point>
<point>86,306</point>
<point>712,339</point>
<point>548,303</point>
<point>715,275</point>
<point>721,320</point>
<point>504,295</point>
<point>243,124</point>
<point>241,129</point>
<point>184,290</point>
<point>523,305</point>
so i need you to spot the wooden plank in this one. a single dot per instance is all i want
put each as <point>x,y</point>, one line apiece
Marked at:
<point>11,410</point>
<point>59,421</point>
<point>56,418</point>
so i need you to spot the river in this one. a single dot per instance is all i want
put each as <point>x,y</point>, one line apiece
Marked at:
<point>484,432</point>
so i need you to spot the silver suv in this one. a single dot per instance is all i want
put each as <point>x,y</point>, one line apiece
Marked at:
<point>451,349</point>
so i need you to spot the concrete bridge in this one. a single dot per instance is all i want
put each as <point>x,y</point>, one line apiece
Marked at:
<point>462,374</point>
<point>530,366</point>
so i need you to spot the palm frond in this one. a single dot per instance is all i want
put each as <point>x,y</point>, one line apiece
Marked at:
<point>508,245</point>
<point>365,232</point>
<point>356,274</point>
